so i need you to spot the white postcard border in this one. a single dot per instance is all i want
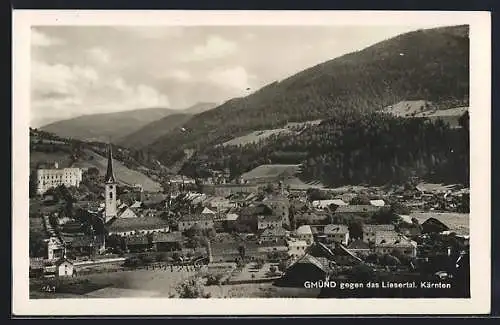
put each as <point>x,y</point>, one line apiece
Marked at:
<point>480,120</point>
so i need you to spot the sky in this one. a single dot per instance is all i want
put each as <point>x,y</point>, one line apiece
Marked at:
<point>79,70</point>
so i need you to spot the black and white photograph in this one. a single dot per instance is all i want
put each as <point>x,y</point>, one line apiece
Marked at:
<point>208,160</point>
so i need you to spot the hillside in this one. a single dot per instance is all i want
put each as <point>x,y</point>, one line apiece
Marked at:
<point>106,127</point>
<point>426,64</point>
<point>153,131</point>
<point>149,133</point>
<point>78,154</point>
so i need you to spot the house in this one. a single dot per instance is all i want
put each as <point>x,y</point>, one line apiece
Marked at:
<point>357,210</point>
<point>132,226</point>
<point>55,248</point>
<point>305,233</point>
<point>272,234</point>
<point>204,221</point>
<point>271,221</point>
<point>369,231</point>
<point>273,246</point>
<point>336,233</point>
<point>64,267</point>
<point>219,203</point>
<point>306,269</point>
<point>296,248</point>
<point>137,244</point>
<point>166,242</point>
<point>230,221</point>
<point>323,204</point>
<point>386,245</point>
<point>359,247</point>
<point>81,245</point>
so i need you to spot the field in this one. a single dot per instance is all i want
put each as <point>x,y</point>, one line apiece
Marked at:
<point>265,171</point>
<point>458,222</point>
<point>63,158</point>
<point>406,108</point>
<point>256,136</point>
<point>122,173</point>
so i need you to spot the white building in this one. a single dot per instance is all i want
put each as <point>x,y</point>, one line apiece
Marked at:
<point>64,268</point>
<point>337,234</point>
<point>305,233</point>
<point>370,231</point>
<point>296,248</point>
<point>51,178</point>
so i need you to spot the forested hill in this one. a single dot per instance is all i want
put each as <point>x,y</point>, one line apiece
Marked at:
<point>427,64</point>
<point>355,149</point>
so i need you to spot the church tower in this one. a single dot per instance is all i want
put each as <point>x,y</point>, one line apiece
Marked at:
<point>110,190</point>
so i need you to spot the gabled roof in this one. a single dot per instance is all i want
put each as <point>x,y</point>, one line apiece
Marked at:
<point>335,229</point>
<point>273,232</point>
<point>207,211</point>
<point>304,230</point>
<point>197,217</point>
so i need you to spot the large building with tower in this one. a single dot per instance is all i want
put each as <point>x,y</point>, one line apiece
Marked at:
<point>48,178</point>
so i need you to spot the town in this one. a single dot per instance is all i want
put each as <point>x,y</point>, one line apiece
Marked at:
<point>261,234</point>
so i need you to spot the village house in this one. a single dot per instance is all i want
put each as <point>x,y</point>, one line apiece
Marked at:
<point>296,248</point>
<point>369,231</point>
<point>269,221</point>
<point>204,221</point>
<point>273,246</point>
<point>55,248</point>
<point>64,267</point>
<point>359,247</point>
<point>137,244</point>
<point>386,243</point>
<point>82,245</point>
<point>167,242</point>
<point>219,203</point>
<point>377,203</point>
<point>273,234</point>
<point>305,233</point>
<point>225,190</point>
<point>336,233</point>
<point>230,221</point>
<point>133,226</point>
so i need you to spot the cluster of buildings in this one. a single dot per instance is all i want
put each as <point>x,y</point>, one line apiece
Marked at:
<point>235,220</point>
<point>47,178</point>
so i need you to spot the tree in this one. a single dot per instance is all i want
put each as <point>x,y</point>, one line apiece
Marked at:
<point>360,200</point>
<point>192,288</point>
<point>356,229</point>
<point>362,272</point>
<point>241,251</point>
<point>384,216</point>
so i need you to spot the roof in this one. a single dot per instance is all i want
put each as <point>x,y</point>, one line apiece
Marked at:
<point>167,237</point>
<point>137,240</point>
<point>273,232</point>
<point>207,211</point>
<point>297,243</point>
<point>326,203</point>
<point>375,228</point>
<point>110,176</point>
<point>309,259</point>
<point>358,244</point>
<point>304,230</point>
<point>377,203</point>
<point>336,229</point>
<point>197,217</point>
<point>231,217</point>
<point>129,224</point>
<point>356,208</point>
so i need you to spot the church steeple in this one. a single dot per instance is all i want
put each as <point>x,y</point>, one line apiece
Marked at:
<point>110,176</point>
